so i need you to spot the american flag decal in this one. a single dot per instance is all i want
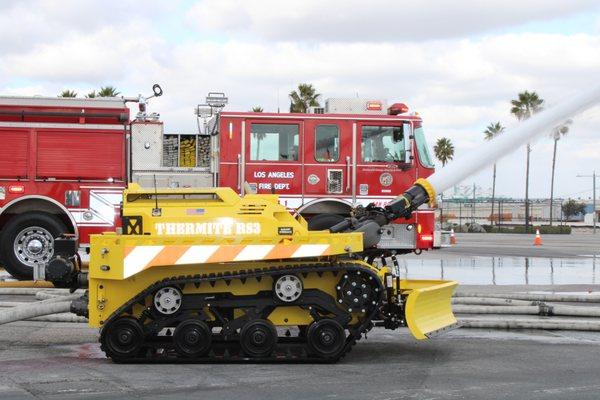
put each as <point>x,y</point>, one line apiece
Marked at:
<point>195,211</point>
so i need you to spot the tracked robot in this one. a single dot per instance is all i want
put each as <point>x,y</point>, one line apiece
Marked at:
<point>201,275</point>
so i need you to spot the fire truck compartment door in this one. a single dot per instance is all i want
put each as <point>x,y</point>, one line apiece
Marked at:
<point>273,159</point>
<point>328,168</point>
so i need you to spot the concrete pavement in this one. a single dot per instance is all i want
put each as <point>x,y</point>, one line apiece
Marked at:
<point>62,361</point>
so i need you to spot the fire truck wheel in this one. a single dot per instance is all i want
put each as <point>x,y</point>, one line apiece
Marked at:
<point>324,221</point>
<point>27,240</point>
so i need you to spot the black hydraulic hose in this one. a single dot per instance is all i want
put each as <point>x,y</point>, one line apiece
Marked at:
<point>373,218</point>
<point>341,226</point>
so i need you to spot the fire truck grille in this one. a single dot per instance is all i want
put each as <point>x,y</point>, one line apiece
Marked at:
<point>335,180</point>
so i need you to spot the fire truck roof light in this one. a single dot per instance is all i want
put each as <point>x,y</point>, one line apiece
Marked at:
<point>16,189</point>
<point>397,108</point>
<point>374,105</point>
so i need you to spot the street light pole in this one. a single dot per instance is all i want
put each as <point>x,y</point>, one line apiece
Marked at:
<point>593,176</point>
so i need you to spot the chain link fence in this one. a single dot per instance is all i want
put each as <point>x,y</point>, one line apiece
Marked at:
<point>464,215</point>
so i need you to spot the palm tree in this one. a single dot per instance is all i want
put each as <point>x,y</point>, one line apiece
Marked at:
<point>557,133</point>
<point>527,104</point>
<point>493,130</point>
<point>306,96</point>
<point>67,93</point>
<point>91,94</point>
<point>444,150</point>
<point>259,138</point>
<point>257,109</point>
<point>108,91</point>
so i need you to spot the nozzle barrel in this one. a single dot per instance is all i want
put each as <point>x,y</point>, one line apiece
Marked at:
<point>374,217</point>
<point>421,192</point>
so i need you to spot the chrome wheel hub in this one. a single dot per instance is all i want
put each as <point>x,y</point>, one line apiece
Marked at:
<point>33,245</point>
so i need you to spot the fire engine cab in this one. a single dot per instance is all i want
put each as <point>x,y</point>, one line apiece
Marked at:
<point>324,164</point>
<point>64,163</point>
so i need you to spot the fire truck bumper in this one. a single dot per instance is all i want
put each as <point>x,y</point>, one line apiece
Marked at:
<point>441,239</point>
<point>428,308</point>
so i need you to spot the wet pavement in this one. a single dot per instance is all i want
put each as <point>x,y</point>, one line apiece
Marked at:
<point>63,361</point>
<point>481,270</point>
<point>510,259</point>
<point>521,245</point>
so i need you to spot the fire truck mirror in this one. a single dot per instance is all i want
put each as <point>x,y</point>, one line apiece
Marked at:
<point>157,90</point>
<point>398,133</point>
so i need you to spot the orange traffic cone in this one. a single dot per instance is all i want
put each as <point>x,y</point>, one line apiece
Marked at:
<point>452,237</point>
<point>538,239</point>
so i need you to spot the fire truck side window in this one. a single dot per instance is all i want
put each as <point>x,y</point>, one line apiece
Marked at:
<point>423,149</point>
<point>327,143</point>
<point>383,144</point>
<point>274,142</point>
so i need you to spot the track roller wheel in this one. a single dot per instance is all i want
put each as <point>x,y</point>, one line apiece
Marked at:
<point>258,338</point>
<point>192,338</point>
<point>122,338</point>
<point>326,337</point>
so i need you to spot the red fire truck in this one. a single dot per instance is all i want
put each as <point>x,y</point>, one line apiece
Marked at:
<point>324,165</point>
<point>64,163</point>
<point>62,169</point>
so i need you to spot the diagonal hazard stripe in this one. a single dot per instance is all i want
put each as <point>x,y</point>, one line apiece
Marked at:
<point>169,255</point>
<point>282,251</point>
<point>128,250</point>
<point>197,254</point>
<point>254,252</point>
<point>310,250</point>
<point>139,258</point>
<point>225,253</point>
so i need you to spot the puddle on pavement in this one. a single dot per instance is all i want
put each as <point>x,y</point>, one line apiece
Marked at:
<point>505,270</point>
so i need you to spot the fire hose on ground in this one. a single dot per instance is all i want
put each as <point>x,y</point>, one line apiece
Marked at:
<point>53,306</point>
<point>506,311</point>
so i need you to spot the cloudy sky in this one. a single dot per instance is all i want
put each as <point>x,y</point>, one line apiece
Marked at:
<point>458,63</point>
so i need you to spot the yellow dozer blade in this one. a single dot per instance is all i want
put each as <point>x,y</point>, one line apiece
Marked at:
<point>428,308</point>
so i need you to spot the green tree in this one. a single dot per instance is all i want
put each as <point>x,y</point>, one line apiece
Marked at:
<point>443,150</point>
<point>91,95</point>
<point>572,207</point>
<point>557,133</point>
<point>306,96</point>
<point>108,91</point>
<point>259,136</point>
<point>493,130</point>
<point>68,93</point>
<point>257,109</point>
<point>526,104</point>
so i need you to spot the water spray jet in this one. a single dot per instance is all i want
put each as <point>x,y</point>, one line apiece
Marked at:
<point>512,139</point>
<point>370,221</point>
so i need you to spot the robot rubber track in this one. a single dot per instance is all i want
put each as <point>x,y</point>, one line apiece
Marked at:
<point>148,346</point>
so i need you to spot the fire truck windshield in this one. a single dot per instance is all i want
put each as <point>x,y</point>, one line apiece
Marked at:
<point>383,144</point>
<point>422,148</point>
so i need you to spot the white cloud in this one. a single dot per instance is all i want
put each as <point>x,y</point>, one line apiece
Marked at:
<point>376,20</point>
<point>459,85</point>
